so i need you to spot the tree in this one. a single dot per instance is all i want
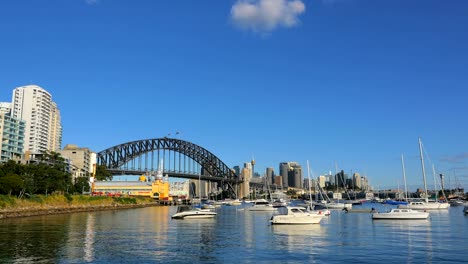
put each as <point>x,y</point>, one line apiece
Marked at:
<point>102,174</point>
<point>81,185</point>
<point>11,183</point>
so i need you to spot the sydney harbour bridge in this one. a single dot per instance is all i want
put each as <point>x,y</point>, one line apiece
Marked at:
<point>179,158</point>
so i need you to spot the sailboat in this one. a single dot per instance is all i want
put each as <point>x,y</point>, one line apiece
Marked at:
<point>187,211</point>
<point>294,215</point>
<point>424,205</point>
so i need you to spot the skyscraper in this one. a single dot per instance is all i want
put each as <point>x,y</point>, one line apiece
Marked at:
<point>270,174</point>
<point>43,130</point>
<point>291,173</point>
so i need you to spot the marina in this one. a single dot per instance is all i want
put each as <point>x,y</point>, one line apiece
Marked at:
<point>233,236</point>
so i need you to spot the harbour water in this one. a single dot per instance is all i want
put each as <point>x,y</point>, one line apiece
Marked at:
<point>148,235</point>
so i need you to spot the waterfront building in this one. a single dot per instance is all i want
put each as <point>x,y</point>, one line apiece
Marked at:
<point>158,189</point>
<point>11,134</point>
<point>43,130</point>
<point>81,158</point>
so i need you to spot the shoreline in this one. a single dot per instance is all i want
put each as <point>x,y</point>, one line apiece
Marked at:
<point>26,212</point>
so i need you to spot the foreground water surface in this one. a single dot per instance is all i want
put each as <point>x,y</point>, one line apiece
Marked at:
<point>148,235</point>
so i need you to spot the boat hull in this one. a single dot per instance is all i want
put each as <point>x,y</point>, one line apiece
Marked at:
<point>425,206</point>
<point>401,214</point>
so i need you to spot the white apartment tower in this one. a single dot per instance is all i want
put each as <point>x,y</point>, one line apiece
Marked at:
<point>43,130</point>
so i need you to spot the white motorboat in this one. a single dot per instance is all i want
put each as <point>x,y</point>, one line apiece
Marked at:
<point>424,206</point>
<point>186,211</point>
<point>401,214</point>
<point>234,202</point>
<point>262,205</point>
<point>294,215</point>
<point>334,205</point>
<point>208,206</point>
<point>280,203</point>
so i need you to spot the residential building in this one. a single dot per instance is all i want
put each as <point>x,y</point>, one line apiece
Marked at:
<point>11,134</point>
<point>80,158</point>
<point>43,130</point>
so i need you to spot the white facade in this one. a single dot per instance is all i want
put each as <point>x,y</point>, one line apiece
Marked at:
<point>34,105</point>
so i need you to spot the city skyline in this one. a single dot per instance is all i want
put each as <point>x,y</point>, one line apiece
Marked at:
<point>352,83</point>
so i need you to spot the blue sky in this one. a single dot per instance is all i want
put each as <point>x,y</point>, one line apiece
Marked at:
<point>354,82</point>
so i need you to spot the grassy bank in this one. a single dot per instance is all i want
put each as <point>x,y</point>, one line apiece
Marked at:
<point>51,204</point>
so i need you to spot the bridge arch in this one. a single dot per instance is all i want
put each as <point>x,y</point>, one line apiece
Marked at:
<point>211,167</point>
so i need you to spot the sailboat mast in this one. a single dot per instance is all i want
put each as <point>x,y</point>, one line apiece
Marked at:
<point>423,169</point>
<point>404,177</point>
<point>308,176</point>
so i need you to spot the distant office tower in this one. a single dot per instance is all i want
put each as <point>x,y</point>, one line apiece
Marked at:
<point>279,181</point>
<point>244,188</point>
<point>297,178</point>
<point>43,130</point>
<point>284,170</point>
<point>248,165</point>
<point>292,174</point>
<point>321,181</point>
<point>11,134</point>
<point>237,170</point>
<point>270,174</point>
<point>357,180</point>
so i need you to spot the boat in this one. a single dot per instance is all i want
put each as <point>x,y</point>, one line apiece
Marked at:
<point>424,205</point>
<point>465,209</point>
<point>401,214</point>
<point>262,205</point>
<point>280,203</point>
<point>208,205</point>
<point>395,202</point>
<point>186,211</point>
<point>363,210</point>
<point>295,215</point>
<point>234,202</point>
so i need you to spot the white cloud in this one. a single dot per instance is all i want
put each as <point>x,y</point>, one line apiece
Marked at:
<point>263,16</point>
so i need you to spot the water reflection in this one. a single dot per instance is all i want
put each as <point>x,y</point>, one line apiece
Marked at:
<point>148,235</point>
<point>33,239</point>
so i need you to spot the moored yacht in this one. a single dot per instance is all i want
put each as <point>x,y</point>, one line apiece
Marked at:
<point>186,211</point>
<point>401,214</point>
<point>425,206</point>
<point>294,215</point>
<point>262,205</point>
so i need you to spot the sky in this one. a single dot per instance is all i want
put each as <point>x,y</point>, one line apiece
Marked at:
<point>346,82</point>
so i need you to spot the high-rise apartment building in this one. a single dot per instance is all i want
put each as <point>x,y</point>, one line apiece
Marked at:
<point>55,129</point>
<point>11,134</point>
<point>43,130</point>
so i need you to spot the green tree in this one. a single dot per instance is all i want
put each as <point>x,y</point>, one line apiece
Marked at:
<point>102,174</point>
<point>82,185</point>
<point>11,184</point>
